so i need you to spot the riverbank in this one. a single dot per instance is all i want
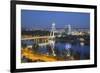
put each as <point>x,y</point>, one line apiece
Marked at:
<point>32,56</point>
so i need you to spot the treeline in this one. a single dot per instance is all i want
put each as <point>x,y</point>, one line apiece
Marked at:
<point>35,32</point>
<point>73,39</point>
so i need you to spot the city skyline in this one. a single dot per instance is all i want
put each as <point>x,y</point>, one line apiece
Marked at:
<point>35,19</point>
<point>54,45</point>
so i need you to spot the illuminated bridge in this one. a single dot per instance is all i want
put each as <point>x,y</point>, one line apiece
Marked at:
<point>36,37</point>
<point>45,40</point>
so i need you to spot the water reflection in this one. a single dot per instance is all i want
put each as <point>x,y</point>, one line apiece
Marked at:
<point>79,50</point>
<point>67,48</point>
<point>82,43</point>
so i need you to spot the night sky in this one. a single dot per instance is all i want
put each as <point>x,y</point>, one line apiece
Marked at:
<point>44,19</point>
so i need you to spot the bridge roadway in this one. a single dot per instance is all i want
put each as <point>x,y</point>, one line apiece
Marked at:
<point>37,37</point>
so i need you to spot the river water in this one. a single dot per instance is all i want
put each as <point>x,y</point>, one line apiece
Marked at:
<point>61,49</point>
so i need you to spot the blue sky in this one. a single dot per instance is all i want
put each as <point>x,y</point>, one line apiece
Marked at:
<point>44,19</point>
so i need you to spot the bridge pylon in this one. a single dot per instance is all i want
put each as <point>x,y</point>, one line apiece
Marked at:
<point>52,39</point>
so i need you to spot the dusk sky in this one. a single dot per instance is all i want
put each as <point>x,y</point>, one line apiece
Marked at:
<point>44,19</point>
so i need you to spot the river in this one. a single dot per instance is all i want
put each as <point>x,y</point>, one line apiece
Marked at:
<point>61,49</point>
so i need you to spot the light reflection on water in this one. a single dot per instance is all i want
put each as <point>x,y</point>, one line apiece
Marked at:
<point>62,48</point>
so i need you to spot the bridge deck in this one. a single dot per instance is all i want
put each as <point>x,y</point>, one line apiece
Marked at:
<point>37,37</point>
